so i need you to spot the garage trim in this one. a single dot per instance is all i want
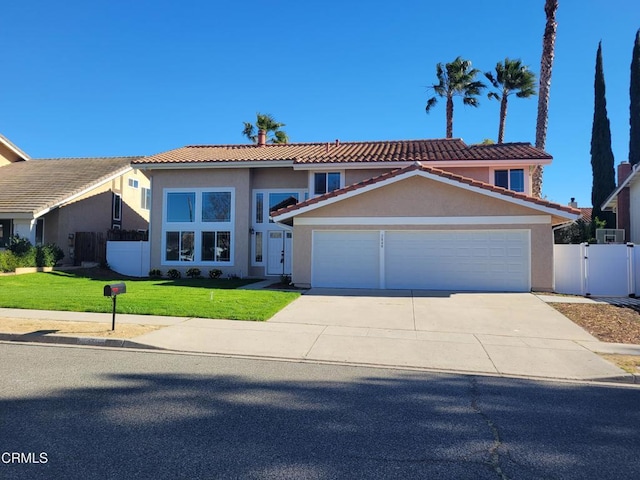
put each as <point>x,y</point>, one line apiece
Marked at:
<point>483,220</point>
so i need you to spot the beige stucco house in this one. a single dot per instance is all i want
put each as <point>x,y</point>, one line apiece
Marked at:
<point>435,214</point>
<point>51,200</point>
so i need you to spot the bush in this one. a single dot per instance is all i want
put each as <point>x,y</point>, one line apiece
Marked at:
<point>48,255</point>
<point>8,261</point>
<point>174,274</point>
<point>194,273</point>
<point>19,246</point>
<point>155,273</point>
<point>215,273</point>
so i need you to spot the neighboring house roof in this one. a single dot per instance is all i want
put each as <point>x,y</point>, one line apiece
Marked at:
<point>32,188</point>
<point>11,146</point>
<point>396,151</point>
<point>612,201</point>
<point>586,214</point>
<point>434,174</point>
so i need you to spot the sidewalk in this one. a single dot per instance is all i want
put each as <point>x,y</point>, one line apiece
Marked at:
<point>429,350</point>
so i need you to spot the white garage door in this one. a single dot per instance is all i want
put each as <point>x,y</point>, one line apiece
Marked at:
<point>496,260</point>
<point>458,260</point>
<point>346,259</point>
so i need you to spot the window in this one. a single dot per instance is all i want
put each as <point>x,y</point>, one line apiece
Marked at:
<point>117,206</point>
<point>259,207</point>
<point>325,182</point>
<point>133,183</point>
<point>40,231</point>
<point>5,233</point>
<point>258,247</point>
<point>510,179</point>
<point>145,198</point>
<point>181,207</point>
<point>198,226</point>
<point>216,246</point>
<point>180,246</point>
<point>216,207</point>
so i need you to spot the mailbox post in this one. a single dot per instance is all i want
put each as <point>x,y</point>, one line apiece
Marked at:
<point>113,290</point>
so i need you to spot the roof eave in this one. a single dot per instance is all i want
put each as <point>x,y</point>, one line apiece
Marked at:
<point>211,164</point>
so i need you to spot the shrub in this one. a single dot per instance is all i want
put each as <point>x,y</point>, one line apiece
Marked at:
<point>48,255</point>
<point>174,274</point>
<point>285,279</point>
<point>155,273</point>
<point>215,273</point>
<point>193,272</point>
<point>18,245</point>
<point>8,261</point>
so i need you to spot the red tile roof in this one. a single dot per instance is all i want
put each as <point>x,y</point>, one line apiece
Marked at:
<point>434,171</point>
<point>350,152</point>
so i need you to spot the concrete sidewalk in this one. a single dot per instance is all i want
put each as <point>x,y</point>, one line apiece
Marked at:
<point>501,334</point>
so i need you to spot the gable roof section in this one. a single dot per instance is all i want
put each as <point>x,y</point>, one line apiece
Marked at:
<point>433,174</point>
<point>396,151</point>
<point>32,188</point>
<point>11,146</point>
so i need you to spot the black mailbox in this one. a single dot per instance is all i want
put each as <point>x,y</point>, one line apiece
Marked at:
<point>114,289</point>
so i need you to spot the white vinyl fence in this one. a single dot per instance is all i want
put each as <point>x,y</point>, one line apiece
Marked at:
<point>608,270</point>
<point>129,258</point>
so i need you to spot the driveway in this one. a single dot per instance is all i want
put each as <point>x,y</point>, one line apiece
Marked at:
<point>504,333</point>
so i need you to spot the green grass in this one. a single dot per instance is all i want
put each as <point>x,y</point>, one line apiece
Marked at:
<point>82,291</point>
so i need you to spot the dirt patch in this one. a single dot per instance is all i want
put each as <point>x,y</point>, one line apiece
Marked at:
<point>608,323</point>
<point>628,363</point>
<point>83,329</point>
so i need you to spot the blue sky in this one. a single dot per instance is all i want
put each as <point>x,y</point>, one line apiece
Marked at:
<point>107,78</point>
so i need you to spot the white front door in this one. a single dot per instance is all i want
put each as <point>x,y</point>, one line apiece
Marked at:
<point>279,252</point>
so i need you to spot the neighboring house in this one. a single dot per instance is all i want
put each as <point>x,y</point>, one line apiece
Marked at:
<point>9,153</point>
<point>51,200</point>
<point>625,202</point>
<point>435,214</point>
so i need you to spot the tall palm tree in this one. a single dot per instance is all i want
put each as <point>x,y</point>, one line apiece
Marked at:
<point>546,65</point>
<point>510,77</point>
<point>268,124</point>
<point>455,79</point>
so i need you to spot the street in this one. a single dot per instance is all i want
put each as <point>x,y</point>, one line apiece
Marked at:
<point>69,412</point>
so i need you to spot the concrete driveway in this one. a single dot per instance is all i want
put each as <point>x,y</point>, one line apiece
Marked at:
<point>504,333</point>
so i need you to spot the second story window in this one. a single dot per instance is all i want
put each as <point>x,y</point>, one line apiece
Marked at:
<point>510,179</point>
<point>324,182</point>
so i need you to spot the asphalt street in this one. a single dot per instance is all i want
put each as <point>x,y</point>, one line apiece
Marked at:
<point>72,412</point>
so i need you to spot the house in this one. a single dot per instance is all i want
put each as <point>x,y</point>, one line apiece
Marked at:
<point>435,214</point>
<point>624,201</point>
<point>51,200</point>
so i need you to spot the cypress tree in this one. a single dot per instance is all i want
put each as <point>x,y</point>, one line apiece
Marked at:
<point>601,154</point>
<point>634,107</point>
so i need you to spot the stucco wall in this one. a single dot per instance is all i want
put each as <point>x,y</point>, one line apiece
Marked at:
<point>265,178</point>
<point>7,155</point>
<point>419,197</point>
<point>239,178</point>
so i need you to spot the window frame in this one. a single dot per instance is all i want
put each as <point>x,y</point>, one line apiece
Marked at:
<point>312,180</point>
<point>510,171</point>
<point>145,198</point>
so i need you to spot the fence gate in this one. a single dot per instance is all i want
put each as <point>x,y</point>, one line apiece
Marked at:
<point>90,247</point>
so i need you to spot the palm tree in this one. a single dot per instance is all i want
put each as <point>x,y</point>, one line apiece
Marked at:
<point>266,123</point>
<point>546,65</point>
<point>455,79</point>
<point>510,77</point>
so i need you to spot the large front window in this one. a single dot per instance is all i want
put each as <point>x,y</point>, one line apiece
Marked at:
<point>199,226</point>
<point>510,179</point>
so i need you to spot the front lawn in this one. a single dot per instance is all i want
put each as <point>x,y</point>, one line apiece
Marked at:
<point>83,292</point>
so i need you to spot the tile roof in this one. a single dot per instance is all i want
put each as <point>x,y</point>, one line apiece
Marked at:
<point>33,186</point>
<point>434,171</point>
<point>586,214</point>
<point>349,152</point>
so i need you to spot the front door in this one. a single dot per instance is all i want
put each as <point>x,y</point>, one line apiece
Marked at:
<point>279,252</point>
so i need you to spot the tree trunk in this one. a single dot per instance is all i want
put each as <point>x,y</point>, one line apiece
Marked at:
<point>449,117</point>
<point>546,65</point>
<point>503,118</point>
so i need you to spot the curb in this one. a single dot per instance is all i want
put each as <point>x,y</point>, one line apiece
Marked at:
<point>85,341</point>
